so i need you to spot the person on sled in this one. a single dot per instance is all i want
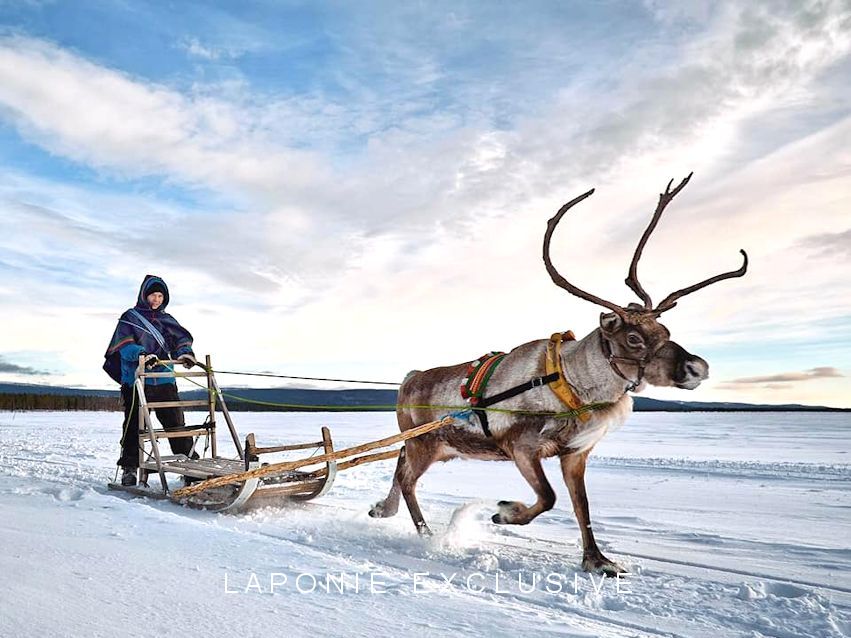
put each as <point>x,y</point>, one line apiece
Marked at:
<point>146,329</point>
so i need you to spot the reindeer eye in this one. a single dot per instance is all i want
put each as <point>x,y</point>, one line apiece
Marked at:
<point>634,340</point>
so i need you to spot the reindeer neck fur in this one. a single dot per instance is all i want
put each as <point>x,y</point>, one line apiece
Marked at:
<point>588,370</point>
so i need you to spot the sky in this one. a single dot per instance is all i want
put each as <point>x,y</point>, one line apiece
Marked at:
<point>357,190</point>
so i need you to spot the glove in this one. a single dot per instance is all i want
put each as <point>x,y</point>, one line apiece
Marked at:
<point>187,360</point>
<point>151,360</point>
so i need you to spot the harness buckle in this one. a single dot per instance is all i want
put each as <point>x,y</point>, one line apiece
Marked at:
<point>537,382</point>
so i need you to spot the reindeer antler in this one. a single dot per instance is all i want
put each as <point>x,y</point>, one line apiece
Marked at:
<point>632,279</point>
<point>664,199</point>
<point>560,281</point>
<point>671,300</point>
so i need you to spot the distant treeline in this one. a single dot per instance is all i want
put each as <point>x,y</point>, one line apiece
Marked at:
<point>31,397</point>
<point>30,401</point>
<point>24,401</point>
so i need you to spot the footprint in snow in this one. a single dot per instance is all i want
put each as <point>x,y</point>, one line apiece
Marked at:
<point>761,590</point>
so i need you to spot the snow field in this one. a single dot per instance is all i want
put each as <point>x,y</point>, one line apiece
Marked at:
<point>730,524</point>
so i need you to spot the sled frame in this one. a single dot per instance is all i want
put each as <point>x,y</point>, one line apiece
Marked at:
<point>296,485</point>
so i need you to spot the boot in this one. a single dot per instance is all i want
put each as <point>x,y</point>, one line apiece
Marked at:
<point>128,477</point>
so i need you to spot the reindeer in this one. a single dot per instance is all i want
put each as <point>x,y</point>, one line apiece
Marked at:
<point>629,350</point>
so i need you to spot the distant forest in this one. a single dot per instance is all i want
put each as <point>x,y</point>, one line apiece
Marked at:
<point>30,401</point>
<point>32,397</point>
<point>23,401</point>
<point>17,397</point>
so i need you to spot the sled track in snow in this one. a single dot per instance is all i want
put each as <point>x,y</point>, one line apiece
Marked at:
<point>400,555</point>
<point>399,562</point>
<point>580,618</point>
<point>822,472</point>
<point>79,477</point>
<point>554,548</point>
<point>546,549</point>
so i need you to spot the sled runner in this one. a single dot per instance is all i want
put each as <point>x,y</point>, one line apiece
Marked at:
<point>231,484</point>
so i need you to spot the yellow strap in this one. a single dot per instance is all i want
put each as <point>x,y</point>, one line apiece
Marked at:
<point>561,388</point>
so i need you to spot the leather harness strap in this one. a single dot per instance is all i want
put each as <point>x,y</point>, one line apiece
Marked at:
<point>613,362</point>
<point>554,378</point>
<point>560,387</point>
<point>507,394</point>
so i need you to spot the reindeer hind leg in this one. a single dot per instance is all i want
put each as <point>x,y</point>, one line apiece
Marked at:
<point>418,459</point>
<point>388,506</point>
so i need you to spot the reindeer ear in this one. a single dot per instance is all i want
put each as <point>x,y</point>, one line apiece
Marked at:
<point>610,323</point>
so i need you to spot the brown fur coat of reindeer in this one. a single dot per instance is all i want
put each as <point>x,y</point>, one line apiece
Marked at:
<point>629,350</point>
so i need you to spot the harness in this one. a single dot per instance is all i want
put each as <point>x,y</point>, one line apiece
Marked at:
<point>560,387</point>
<point>480,371</point>
<point>613,362</point>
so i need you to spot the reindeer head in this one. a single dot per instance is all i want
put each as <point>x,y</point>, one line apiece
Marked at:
<point>637,346</point>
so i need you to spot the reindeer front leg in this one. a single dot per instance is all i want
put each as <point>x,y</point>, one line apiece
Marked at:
<point>573,469</point>
<point>515,512</point>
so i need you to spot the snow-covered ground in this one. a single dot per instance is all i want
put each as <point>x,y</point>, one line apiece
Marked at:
<point>731,524</point>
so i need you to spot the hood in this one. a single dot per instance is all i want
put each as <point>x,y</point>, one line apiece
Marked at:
<point>147,282</point>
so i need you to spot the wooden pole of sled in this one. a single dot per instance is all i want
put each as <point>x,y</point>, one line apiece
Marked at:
<point>360,460</point>
<point>368,458</point>
<point>211,406</point>
<point>292,465</point>
<point>215,386</point>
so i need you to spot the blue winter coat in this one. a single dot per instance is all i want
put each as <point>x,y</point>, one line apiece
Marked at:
<point>132,338</point>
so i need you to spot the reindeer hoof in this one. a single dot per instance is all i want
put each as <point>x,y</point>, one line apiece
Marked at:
<point>509,513</point>
<point>602,565</point>
<point>423,530</point>
<point>379,510</point>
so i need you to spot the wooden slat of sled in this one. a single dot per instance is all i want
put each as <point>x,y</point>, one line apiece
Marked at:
<point>286,489</point>
<point>198,468</point>
<point>153,405</point>
<point>174,434</point>
<point>171,375</point>
<point>225,466</point>
<point>286,448</point>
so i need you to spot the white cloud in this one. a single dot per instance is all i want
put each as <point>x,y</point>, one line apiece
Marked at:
<point>119,124</point>
<point>196,49</point>
<point>435,216</point>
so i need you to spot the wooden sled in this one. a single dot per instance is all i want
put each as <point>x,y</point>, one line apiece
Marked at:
<point>224,484</point>
<point>154,466</point>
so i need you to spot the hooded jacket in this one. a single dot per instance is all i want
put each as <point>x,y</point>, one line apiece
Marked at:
<point>132,338</point>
